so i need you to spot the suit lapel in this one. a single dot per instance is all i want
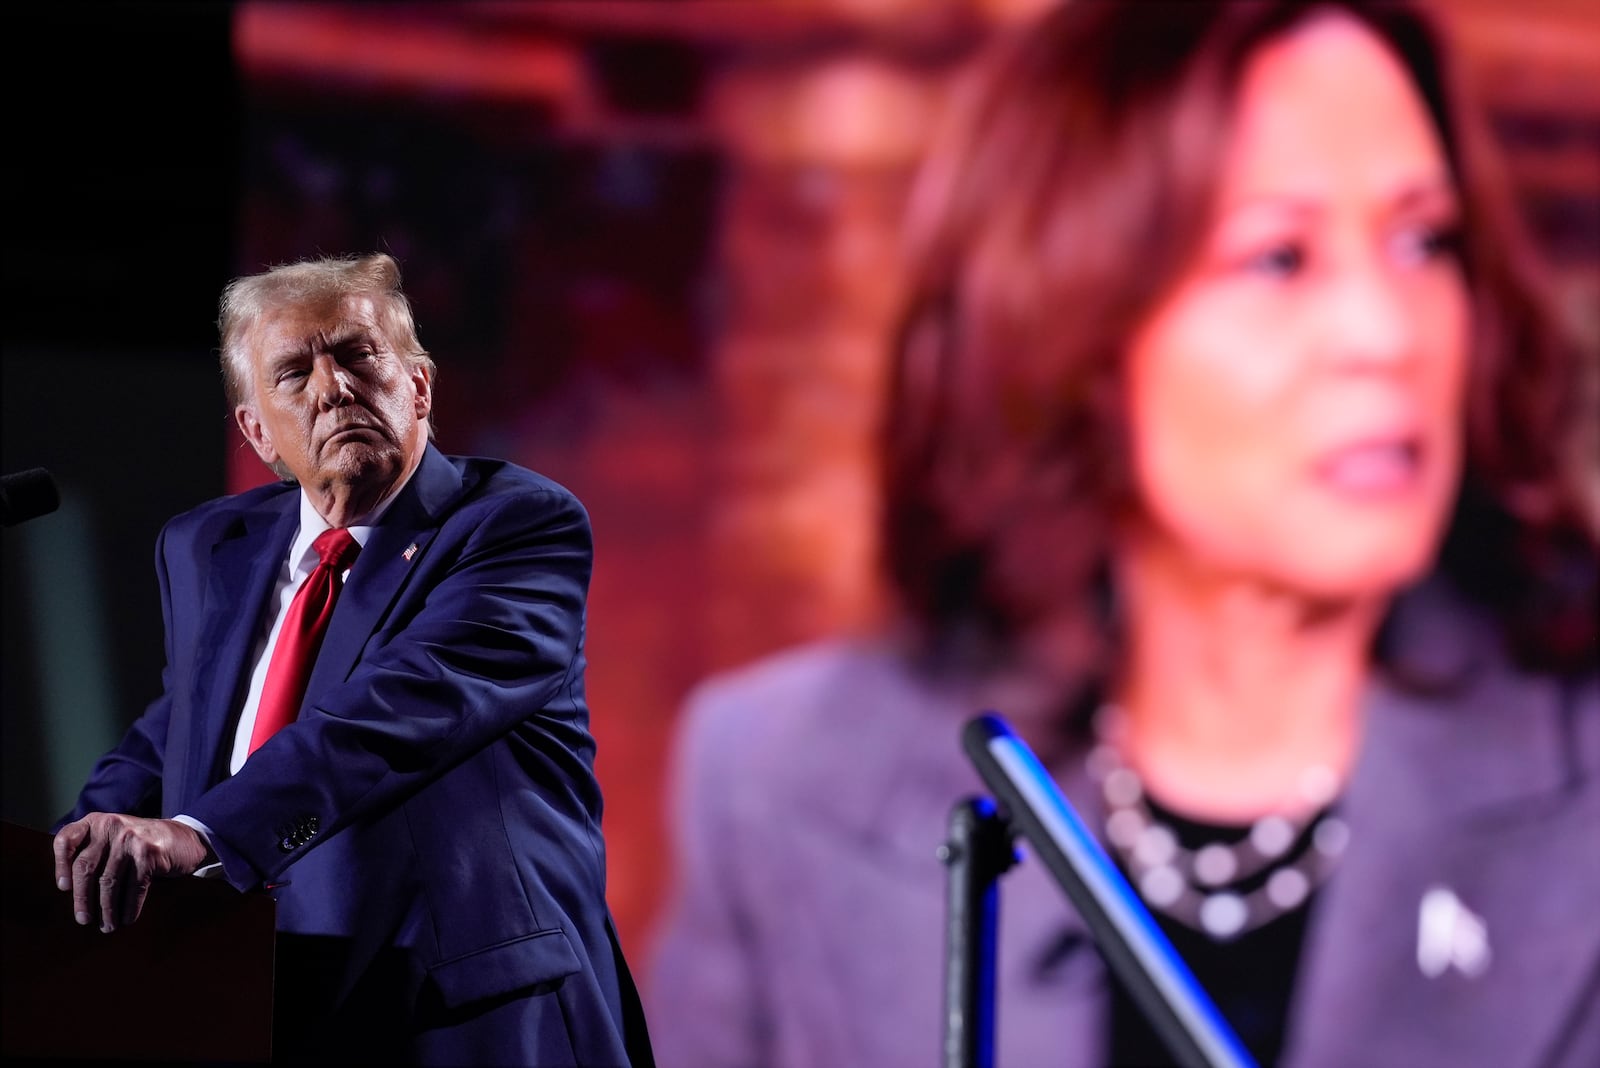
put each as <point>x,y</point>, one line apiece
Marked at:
<point>244,566</point>
<point>380,572</point>
<point>1481,804</point>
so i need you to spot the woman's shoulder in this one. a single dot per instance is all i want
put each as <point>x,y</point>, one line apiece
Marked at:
<point>1460,718</point>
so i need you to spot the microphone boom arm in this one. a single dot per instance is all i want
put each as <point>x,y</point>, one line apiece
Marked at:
<point>1133,946</point>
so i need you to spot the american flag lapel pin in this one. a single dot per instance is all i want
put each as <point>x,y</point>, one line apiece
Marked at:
<point>411,550</point>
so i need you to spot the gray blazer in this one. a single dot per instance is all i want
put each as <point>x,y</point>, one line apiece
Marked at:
<point>806,925</point>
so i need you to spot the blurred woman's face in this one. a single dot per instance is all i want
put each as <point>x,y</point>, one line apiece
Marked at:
<point>1296,399</point>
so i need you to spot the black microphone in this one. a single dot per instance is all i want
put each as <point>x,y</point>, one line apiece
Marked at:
<point>27,495</point>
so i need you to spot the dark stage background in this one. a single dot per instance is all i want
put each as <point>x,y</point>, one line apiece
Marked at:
<point>649,244</point>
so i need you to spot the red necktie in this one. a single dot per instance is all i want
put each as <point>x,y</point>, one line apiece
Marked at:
<point>301,635</point>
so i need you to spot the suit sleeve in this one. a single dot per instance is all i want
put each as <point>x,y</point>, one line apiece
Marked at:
<point>704,993</point>
<point>128,778</point>
<point>494,648</point>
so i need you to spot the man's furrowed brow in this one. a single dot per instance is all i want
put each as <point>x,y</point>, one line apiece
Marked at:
<point>290,354</point>
<point>351,335</point>
<point>334,339</point>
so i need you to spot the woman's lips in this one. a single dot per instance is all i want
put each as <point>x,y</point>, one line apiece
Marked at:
<point>1374,468</point>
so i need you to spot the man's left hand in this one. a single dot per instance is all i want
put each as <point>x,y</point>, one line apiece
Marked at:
<point>107,861</point>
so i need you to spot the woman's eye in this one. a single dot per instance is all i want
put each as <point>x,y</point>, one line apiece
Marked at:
<point>1422,244</point>
<point>1277,261</point>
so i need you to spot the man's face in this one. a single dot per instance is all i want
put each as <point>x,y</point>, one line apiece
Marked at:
<point>331,402</point>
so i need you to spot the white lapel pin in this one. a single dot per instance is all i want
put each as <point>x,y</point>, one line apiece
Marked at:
<point>411,550</point>
<point>1450,935</point>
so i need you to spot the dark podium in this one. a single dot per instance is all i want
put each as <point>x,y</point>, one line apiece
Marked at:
<point>190,981</point>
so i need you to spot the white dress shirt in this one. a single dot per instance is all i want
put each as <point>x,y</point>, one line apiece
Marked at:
<point>297,567</point>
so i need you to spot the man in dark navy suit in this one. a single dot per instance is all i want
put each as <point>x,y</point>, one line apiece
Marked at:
<point>427,816</point>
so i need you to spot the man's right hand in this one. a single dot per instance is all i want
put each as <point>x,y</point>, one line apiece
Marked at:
<point>107,861</point>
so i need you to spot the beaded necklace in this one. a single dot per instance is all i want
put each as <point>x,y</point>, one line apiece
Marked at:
<point>1221,889</point>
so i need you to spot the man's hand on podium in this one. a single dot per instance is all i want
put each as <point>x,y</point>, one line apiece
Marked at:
<point>107,861</point>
